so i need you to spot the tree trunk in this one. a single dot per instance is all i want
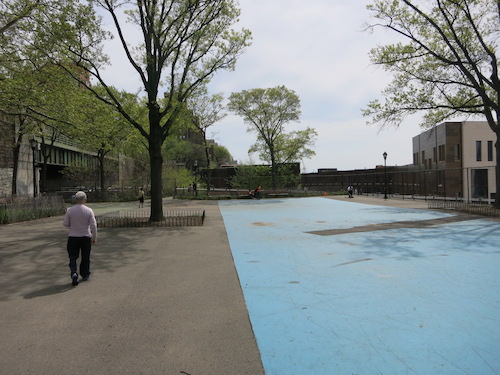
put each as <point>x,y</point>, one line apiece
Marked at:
<point>207,157</point>
<point>156,161</point>
<point>45,160</point>
<point>497,173</point>
<point>274,172</point>
<point>103,177</point>
<point>15,167</point>
<point>101,157</point>
<point>15,156</point>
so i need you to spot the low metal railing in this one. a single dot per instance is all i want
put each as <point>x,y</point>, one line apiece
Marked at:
<point>15,209</point>
<point>471,208</point>
<point>174,217</point>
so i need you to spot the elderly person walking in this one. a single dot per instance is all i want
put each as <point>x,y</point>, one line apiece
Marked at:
<point>81,222</point>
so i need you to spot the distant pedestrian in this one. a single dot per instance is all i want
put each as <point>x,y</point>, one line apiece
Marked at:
<point>195,189</point>
<point>82,225</point>
<point>350,190</point>
<point>257,192</point>
<point>141,197</point>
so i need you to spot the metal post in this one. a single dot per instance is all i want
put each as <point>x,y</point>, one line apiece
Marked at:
<point>385,175</point>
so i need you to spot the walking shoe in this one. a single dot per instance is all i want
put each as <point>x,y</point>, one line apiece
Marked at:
<point>85,278</point>
<point>74,279</point>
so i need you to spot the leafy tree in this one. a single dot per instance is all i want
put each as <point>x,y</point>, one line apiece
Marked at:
<point>14,11</point>
<point>250,176</point>
<point>266,111</point>
<point>221,155</point>
<point>101,129</point>
<point>82,174</point>
<point>176,177</point>
<point>290,147</point>
<point>185,43</point>
<point>206,111</point>
<point>446,65</point>
<point>36,100</point>
<point>34,96</point>
<point>183,151</point>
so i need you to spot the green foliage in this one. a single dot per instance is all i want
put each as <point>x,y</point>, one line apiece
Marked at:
<point>174,178</point>
<point>446,63</point>
<point>221,155</point>
<point>206,111</point>
<point>80,174</point>
<point>184,44</point>
<point>446,66</point>
<point>248,177</point>
<point>289,148</point>
<point>266,111</point>
<point>185,152</point>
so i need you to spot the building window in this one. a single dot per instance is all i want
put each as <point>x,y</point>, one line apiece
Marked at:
<point>478,151</point>
<point>434,155</point>
<point>456,152</point>
<point>441,152</point>
<point>490,150</point>
<point>423,157</point>
<point>415,158</point>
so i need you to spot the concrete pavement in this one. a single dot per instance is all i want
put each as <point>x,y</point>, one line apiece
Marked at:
<point>169,300</point>
<point>333,286</point>
<point>160,301</point>
<point>380,201</point>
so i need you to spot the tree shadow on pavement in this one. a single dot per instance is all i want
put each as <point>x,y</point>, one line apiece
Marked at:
<point>404,244</point>
<point>34,260</point>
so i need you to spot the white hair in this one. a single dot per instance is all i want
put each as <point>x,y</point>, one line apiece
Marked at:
<point>80,196</point>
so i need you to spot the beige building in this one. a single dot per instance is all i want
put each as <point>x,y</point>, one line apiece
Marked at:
<point>479,160</point>
<point>458,159</point>
<point>454,160</point>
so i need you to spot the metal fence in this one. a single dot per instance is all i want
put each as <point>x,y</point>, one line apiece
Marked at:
<point>21,208</point>
<point>471,208</point>
<point>469,184</point>
<point>174,217</point>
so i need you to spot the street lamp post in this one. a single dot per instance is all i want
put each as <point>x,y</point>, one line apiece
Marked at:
<point>34,145</point>
<point>385,175</point>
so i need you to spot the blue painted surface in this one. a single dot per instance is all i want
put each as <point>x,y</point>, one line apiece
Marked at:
<point>406,301</point>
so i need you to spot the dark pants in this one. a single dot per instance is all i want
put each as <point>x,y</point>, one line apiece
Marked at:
<point>75,244</point>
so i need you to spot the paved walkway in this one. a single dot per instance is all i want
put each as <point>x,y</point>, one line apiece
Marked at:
<point>163,301</point>
<point>254,293</point>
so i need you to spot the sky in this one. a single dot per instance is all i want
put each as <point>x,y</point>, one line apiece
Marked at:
<point>319,49</point>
